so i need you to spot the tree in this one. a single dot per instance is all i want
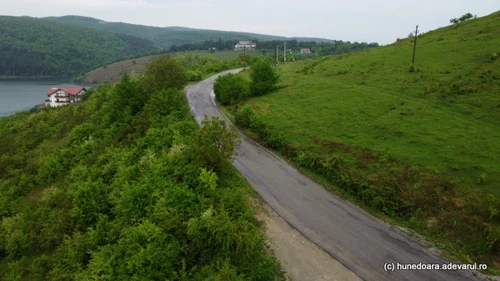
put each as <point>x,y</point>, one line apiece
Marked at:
<point>126,96</point>
<point>213,146</point>
<point>231,89</point>
<point>264,78</point>
<point>163,73</point>
<point>465,17</point>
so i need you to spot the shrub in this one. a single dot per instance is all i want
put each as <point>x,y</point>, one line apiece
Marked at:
<point>230,89</point>
<point>214,145</point>
<point>264,78</point>
<point>465,17</point>
<point>193,75</point>
<point>411,68</point>
<point>90,200</point>
<point>493,236</point>
<point>244,116</point>
<point>163,73</point>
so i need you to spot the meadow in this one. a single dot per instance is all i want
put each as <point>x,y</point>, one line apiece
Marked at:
<point>416,144</point>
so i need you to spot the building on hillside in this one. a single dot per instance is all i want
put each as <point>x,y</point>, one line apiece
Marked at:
<point>305,51</point>
<point>63,96</point>
<point>247,45</point>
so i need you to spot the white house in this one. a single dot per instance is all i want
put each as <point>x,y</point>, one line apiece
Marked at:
<point>63,96</point>
<point>247,45</point>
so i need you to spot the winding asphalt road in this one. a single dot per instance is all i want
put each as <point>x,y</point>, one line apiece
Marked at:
<point>358,240</point>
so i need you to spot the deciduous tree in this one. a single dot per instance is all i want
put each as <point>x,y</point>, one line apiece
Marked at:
<point>214,145</point>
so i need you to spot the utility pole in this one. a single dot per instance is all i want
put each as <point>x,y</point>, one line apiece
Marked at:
<point>244,50</point>
<point>276,56</point>
<point>414,45</point>
<point>284,53</point>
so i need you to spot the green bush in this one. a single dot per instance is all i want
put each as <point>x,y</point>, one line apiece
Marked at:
<point>231,89</point>
<point>264,78</point>
<point>243,116</point>
<point>193,75</point>
<point>90,201</point>
<point>493,236</point>
<point>162,74</point>
<point>213,146</point>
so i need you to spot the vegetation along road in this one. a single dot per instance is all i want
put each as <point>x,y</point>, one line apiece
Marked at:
<point>352,236</point>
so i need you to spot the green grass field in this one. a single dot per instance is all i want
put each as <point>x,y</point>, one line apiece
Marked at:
<point>426,137</point>
<point>444,116</point>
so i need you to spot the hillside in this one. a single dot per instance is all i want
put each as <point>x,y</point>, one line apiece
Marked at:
<point>168,36</point>
<point>113,72</point>
<point>31,47</point>
<point>126,186</point>
<point>416,145</point>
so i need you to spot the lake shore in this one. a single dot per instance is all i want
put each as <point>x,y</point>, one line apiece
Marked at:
<point>9,77</point>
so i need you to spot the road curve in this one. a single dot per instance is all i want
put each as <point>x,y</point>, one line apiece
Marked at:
<point>358,240</point>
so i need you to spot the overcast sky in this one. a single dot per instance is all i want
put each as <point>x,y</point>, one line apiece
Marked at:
<point>379,21</point>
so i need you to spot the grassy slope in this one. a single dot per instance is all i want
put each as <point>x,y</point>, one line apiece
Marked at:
<point>391,123</point>
<point>168,36</point>
<point>444,117</point>
<point>114,72</point>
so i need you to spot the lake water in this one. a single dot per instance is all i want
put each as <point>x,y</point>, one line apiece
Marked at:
<point>23,94</point>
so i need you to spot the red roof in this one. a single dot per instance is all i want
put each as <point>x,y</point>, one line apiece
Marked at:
<point>70,91</point>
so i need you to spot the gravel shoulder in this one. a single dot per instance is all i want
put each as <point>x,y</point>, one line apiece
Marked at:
<point>300,258</point>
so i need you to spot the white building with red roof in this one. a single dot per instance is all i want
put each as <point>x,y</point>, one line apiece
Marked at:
<point>305,51</point>
<point>63,96</point>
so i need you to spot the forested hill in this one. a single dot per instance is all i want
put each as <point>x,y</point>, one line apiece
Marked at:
<point>126,186</point>
<point>31,46</point>
<point>174,35</point>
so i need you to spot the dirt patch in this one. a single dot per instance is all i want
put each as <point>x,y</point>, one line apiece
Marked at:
<point>113,73</point>
<point>300,258</point>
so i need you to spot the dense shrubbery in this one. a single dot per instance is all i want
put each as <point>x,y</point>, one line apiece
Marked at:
<point>231,89</point>
<point>197,67</point>
<point>125,186</point>
<point>463,18</point>
<point>263,78</point>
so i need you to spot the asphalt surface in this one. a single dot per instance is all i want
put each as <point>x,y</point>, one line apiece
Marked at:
<point>363,243</point>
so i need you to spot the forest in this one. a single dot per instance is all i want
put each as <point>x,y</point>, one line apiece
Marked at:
<point>267,47</point>
<point>125,185</point>
<point>165,37</point>
<point>39,47</point>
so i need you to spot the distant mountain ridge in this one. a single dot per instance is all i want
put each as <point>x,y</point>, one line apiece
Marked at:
<point>165,37</point>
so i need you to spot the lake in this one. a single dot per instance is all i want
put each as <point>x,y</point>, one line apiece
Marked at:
<point>23,94</point>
